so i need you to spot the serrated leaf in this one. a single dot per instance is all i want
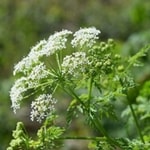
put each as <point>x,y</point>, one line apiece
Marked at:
<point>71,111</point>
<point>134,59</point>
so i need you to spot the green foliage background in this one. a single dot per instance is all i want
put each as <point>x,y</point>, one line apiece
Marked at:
<point>23,23</point>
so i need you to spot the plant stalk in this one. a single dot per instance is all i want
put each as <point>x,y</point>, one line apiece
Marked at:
<point>96,122</point>
<point>89,94</point>
<point>82,138</point>
<point>136,120</point>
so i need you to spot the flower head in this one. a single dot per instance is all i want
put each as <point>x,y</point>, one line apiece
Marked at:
<point>37,73</point>
<point>36,51</point>
<point>29,61</point>
<point>42,107</point>
<point>56,42</point>
<point>16,93</point>
<point>85,36</point>
<point>22,66</point>
<point>75,64</point>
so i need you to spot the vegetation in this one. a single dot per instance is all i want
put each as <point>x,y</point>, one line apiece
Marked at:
<point>96,78</point>
<point>24,23</point>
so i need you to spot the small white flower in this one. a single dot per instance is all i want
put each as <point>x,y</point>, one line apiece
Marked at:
<point>56,42</point>
<point>42,107</point>
<point>21,65</point>
<point>75,64</point>
<point>36,51</point>
<point>16,92</point>
<point>27,62</point>
<point>38,72</point>
<point>85,36</point>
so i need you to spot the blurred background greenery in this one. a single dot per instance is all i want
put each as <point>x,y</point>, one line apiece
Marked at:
<point>24,22</point>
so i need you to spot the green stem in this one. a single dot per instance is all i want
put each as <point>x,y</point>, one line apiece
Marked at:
<point>102,130</point>
<point>136,120</point>
<point>89,93</point>
<point>104,139</point>
<point>82,138</point>
<point>58,62</point>
<point>96,122</point>
<point>76,96</point>
<point>87,138</point>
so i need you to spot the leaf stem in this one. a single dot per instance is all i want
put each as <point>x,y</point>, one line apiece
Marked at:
<point>102,130</point>
<point>58,62</point>
<point>95,120</point>
<point>135,119</point>
<point>89,93</point>
<point>82,138</point>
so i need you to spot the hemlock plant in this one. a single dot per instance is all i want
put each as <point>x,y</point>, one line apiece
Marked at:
<point>93,74</point>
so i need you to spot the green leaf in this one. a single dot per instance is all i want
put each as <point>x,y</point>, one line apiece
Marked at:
<point>134,60</point>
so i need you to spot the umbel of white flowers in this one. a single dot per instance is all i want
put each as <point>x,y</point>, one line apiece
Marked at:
<point>34,74</point>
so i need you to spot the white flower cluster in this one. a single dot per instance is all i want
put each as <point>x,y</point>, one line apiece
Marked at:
<point>16,93</point>
<point>27,62</point>
<point>23,66</point>
<point>57,41</point>
<point>24,83</point>
<point>85,36</point>
<point>38,72</point>
<point>32,68</point>
<point>54,43</point>
<point>42,107</point>
<point>36,51</point>
<point>75,64</point>
<point>35,73</point>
